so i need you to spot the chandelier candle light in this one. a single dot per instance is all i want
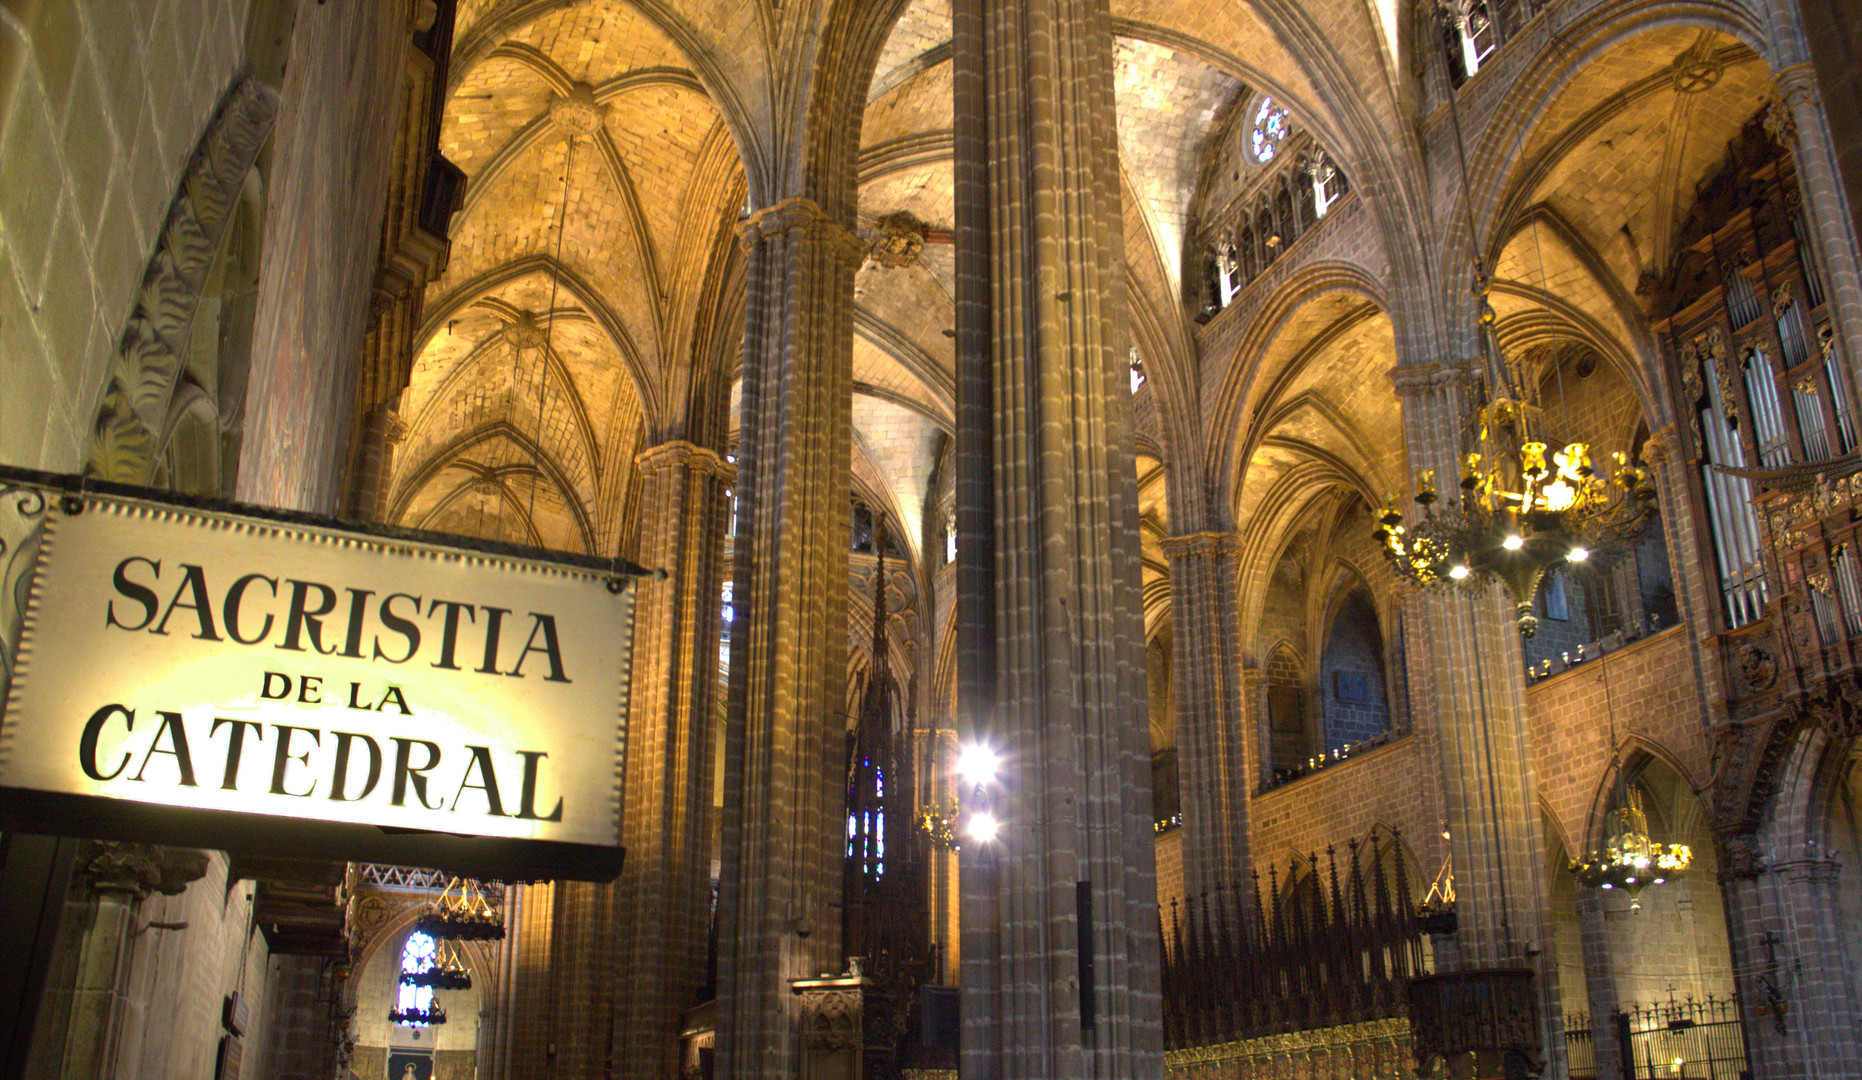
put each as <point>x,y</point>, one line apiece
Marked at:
<point>1630,860</point>
<point>1516,515</point>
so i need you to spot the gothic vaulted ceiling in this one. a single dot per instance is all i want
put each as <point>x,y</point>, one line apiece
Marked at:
<point>592,303</point>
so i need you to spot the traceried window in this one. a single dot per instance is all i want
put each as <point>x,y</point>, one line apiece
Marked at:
<point>419,954</point>
<point>1270,129</point>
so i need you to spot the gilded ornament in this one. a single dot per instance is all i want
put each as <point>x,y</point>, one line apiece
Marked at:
<point>1818,578</point>
<point>1728,401</point>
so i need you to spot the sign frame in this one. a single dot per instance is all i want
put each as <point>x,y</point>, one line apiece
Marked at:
<point>40,499</point>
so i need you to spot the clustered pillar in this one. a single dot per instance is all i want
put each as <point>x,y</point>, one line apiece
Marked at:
<point>1489,784</point>
<point>1060,968</point>
<point>784,731</point>
<point>664,904</point>
<point>1212,710</point>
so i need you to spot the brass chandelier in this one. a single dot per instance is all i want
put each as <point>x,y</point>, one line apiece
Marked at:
<point>1630,860</point>
<point>1514,514</point>
<point>462,913</point>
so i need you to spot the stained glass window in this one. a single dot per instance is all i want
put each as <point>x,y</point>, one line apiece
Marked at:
<point>1270,127</point>
<point>419,954</point>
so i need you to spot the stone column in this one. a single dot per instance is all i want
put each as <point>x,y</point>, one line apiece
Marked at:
<point>1060,968</point>
<point>1822,1017</point>
<point>664,884</point>
<point>1600,985</point>
<point>1206,678</point>
<point>1490,789</point>
<point>788,667</point>
<point>80,1031</point>
<point>581,947</point>
<point>382,430</point>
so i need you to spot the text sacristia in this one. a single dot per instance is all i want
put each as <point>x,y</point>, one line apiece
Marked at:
<point>145,743</point>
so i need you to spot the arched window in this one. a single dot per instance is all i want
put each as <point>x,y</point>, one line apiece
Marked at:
<point>419,955</point>
<point>1305,201</point>
<point>1214,282</point>
<point>1283,212</point>
<point>1328,184</point>
<point>1270,129</point>
<point>727,614</point>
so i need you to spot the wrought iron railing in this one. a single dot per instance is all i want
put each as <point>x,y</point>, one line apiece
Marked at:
<point>1699,1039</point>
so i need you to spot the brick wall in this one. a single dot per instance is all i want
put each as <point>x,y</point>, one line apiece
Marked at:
<point>1346,800</point>
<point>1679,938</point>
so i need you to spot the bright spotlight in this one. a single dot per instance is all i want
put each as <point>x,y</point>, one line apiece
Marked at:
<point>1458,571</point>
<point>977,764</point>
<point>982,827</point>
<point>1578,554</point>
<point>1513,542</point>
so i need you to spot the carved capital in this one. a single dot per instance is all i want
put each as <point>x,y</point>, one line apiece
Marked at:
<point>805,216</point>
<point>1662,444</point>
<point>1418,380</point>
<point>386,426</point>
<point>1740,856</point>
<point>679,454</point>
<point>1812,871</point>
<point>1795,85</point>
<point>1202,545</point>
<point>136,870</point>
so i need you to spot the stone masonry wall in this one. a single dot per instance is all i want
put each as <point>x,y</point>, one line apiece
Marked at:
<point>333,145</point>
<point>101,103</point>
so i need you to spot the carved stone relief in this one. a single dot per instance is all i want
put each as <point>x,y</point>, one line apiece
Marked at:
<point>148,364</point>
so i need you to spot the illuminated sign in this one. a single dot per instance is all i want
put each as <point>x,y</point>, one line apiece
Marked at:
<point>228,668</point>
